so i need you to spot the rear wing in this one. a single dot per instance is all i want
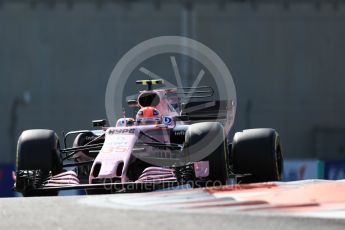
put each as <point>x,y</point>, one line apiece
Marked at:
<point>176,95</point>
<point>222,111</point>
<point>191,92</point>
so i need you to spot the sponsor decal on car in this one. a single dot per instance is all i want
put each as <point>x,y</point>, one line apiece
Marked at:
<point>121,131</point>
<point>167,120</point>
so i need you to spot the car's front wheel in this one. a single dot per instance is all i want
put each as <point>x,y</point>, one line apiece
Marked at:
<point>38,158</point>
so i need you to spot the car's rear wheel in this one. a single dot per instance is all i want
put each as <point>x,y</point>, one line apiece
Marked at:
<point>257,152</point>
<point>207,142</point>
<point>38,158</point>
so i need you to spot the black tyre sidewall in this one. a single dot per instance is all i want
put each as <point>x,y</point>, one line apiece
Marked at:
<point>37,149</point>
<point>257,152</point>
<point>195,141</point>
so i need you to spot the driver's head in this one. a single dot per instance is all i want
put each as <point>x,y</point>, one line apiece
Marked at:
<point>148,115</point>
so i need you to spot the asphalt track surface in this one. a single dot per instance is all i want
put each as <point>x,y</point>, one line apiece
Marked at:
<point>165,210</point>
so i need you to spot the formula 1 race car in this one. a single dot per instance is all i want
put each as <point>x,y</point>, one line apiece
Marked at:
<point>167,144</point>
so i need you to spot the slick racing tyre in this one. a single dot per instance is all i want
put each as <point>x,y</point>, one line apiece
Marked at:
<point>38,158</point>
<point>197,140</point>
<point>257,152</point>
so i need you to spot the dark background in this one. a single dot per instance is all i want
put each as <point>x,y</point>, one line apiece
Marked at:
<point>287,59</point>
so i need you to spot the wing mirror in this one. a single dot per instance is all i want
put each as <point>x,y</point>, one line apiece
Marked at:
<point>99,123</point>
<point>132,103</point>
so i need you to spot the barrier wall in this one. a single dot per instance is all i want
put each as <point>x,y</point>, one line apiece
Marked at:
<point>6,181</point>
<point>314,169</point>
<point>335,170</point>
<point>303,169</point>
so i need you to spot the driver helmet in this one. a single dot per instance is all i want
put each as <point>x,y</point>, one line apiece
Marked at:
<point>148,115</point>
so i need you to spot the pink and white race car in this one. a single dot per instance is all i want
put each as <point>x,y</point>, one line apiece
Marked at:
<point>168,143</point>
